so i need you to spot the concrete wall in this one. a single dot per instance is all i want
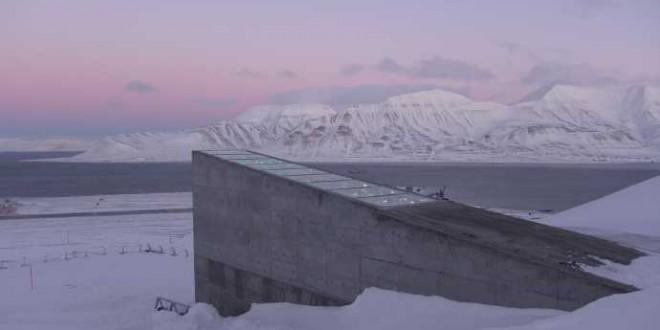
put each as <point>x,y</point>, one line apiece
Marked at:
<point>256,234</point>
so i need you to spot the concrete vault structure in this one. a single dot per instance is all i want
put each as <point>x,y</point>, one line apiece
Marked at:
<point>270,230</point>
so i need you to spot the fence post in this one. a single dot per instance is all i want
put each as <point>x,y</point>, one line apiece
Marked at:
<point>31,278</point>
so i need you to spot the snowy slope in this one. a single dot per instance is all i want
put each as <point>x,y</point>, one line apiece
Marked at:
<point>634,210</point>
<point>643,105</point>
<point>569,121</point>
<point>285,116</point>
<point>561,123</point>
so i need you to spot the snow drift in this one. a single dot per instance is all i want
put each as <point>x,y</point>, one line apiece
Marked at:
<point>562,123</point>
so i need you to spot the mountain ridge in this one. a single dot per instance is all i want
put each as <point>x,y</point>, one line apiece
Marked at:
<point>565,123</point>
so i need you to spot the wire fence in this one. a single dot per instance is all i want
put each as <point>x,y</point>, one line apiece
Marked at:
<point>95,251</point>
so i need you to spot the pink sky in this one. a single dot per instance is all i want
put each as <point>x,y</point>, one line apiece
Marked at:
<point>90,68</point>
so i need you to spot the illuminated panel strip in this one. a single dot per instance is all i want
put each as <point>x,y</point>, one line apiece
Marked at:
<point>376,195</point>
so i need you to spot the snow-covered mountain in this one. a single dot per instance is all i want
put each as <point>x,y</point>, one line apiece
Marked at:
<point>561,123</point>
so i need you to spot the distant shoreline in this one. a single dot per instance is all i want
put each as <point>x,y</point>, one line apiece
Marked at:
<point>31,155</point>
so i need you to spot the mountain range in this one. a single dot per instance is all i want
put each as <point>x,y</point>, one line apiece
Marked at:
<point>558,123</point>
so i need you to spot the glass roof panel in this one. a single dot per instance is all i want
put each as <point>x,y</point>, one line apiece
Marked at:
<point>243,156</point>
<point>317,178</point>
<point>295,171</point>
<point>397,200</point>
<point>368,191</point>
<point>259,161</point>
<point>228,152</point>
<point>273,166</point>
<point>347,184</point>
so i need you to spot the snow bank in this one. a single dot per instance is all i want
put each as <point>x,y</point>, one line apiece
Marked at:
<point>373,309</point>
<point>377,309</point>
<point>633,311</point>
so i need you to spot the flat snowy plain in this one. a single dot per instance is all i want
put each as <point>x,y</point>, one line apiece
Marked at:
<point>94,273</point>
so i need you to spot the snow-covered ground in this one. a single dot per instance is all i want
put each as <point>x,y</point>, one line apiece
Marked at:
<point>89,273</point>
<point>100,203</point>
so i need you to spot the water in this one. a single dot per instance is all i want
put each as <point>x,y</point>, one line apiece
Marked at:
<point>511,186</point>
<point>20,155</point>
<point>50,179</point>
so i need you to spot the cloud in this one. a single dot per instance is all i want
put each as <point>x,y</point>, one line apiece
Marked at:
<point>511,47</point>
<point>343,95</point>
<point>589,8</point>
<point>351,69</point>
<point>216,102</point>
<point>137,86</point>
<point>439,67</point>
<point>389,65</point>
<point>515,49</point>
<point>288,74</point>
<point>247,73</point>
<point>644,79</point>
<point>435,68</point>
<point>549,73</point>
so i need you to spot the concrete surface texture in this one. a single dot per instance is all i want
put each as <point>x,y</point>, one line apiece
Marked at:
<point>260,237</point>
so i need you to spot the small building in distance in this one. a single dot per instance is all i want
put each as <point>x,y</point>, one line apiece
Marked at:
<point>270,230</point>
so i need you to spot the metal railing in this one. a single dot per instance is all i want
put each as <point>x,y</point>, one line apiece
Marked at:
<point>164,304</point>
